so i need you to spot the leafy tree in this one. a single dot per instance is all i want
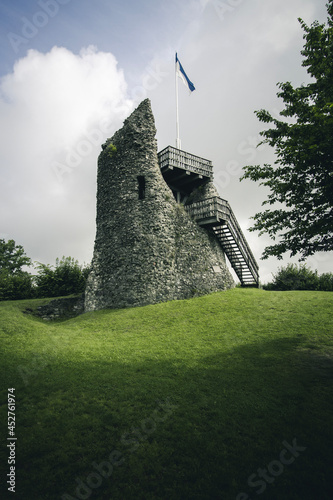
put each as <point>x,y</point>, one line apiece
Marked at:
<point>14,282</point>
<point>44,281</point>
<point>301,181</point>
<point>12,257</point>
<point>16,286</point>
<point>66,278</point>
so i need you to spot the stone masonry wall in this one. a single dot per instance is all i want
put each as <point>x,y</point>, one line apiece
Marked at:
<point>147,248</point>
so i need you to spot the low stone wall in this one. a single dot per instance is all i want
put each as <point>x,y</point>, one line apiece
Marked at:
<point>64,308</point>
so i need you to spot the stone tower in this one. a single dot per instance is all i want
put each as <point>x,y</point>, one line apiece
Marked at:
<point>147,248</point>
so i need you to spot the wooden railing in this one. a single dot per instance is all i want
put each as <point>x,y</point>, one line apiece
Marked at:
<point>176,158</point>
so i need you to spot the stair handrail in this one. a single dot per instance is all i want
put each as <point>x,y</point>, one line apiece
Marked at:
<point>217,206</point>
<point>235,223</point>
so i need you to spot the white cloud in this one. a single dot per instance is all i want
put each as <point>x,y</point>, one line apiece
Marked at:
<point>55,111</point>
<point>276,26</point>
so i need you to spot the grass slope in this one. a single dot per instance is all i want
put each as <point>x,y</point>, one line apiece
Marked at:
<point>191,399</point>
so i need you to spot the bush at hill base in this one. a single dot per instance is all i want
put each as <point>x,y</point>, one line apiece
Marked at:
<point>293,277</point>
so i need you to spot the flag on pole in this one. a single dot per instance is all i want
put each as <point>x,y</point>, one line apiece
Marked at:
<point>183,76</point>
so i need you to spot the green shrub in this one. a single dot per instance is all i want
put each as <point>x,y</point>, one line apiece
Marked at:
<point>293,277</point>
<point>16,286</point>
<point>67,278</point>
<point>326,282</point>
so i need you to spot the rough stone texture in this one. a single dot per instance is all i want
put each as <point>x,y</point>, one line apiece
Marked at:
<point>146,250</point>
<point>202,193</point>
<point>64,308</point>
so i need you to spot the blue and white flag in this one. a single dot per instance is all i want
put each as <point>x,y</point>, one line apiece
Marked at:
<point>183,76</point>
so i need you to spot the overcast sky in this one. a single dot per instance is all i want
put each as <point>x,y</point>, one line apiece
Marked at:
<point>72,70</point>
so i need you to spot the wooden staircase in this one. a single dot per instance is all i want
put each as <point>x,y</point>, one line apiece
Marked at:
<point>184,172</point>
<point>216,213</point>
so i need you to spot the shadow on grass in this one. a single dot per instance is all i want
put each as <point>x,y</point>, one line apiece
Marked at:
<point>181,432</point>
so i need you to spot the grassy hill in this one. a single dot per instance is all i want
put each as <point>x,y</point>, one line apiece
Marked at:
<point>227,396</point>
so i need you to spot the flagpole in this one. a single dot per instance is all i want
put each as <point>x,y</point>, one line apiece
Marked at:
<point>177,111</point>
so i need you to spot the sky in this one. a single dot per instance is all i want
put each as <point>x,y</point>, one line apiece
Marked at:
<point>71,71</point>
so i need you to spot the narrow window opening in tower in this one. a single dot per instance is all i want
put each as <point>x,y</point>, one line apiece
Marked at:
<point>142,187</point>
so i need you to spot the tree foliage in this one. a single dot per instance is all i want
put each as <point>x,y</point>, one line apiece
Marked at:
<point>12,257</point>
<point>300,219</point>
<point>14,282</point>
<point>16,286</point>
<point>66,278</point>
<point>293,277</point>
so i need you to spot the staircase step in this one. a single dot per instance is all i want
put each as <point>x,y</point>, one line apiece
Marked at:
<point>230,236</point>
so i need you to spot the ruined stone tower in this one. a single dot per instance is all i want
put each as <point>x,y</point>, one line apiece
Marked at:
<point>148,248</point>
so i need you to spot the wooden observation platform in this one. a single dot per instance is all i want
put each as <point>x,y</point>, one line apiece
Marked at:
<point>184,172</point>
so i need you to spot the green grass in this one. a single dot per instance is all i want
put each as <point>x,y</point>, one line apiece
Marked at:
<point>192,397</point>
